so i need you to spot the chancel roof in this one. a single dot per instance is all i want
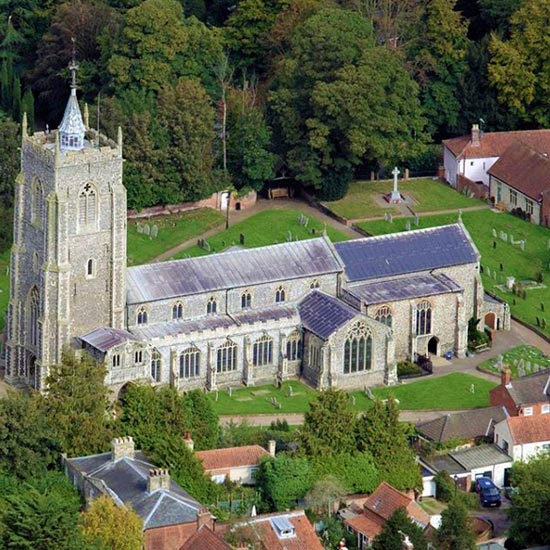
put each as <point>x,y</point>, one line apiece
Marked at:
<point>238,268</point>
<point>407,252</point>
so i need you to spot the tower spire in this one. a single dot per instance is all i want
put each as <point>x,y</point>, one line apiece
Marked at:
<point>72,127</point>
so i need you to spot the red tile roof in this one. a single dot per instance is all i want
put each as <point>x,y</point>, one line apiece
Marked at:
<point>205,539</point>
<point>529,429</point>
<point>386,500</point>
<point>370,527</point>
<point>232,457</point>
<point>493,144</point>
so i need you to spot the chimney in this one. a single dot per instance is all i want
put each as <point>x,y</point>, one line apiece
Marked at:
<point>189,441</point>
<point>271,446</point>
<point>505,376</point>
<point>122,447</point>
<point>475,135</point>
<point>158,478</point>
<point>204,517</point>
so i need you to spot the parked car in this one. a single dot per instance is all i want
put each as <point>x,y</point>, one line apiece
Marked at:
<point>489,495</point>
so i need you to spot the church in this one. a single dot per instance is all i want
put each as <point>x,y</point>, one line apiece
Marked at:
<point>336,315</point>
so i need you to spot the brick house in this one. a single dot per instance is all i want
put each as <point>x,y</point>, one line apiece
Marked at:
<point>205,539</point>
<point>526,396</point>
<point>520,179</point>
<point>170,515</point>
<point>523,437</point>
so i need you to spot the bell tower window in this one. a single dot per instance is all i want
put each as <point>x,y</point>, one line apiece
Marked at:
<point>87,206</point>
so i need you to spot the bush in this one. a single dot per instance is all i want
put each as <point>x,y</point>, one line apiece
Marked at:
<point>405,368</point>
<point>444,486</point>
<point>335,184</point>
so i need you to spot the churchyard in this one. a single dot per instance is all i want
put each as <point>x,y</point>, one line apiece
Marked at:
<point>450,392</point>
<point>265,228</point>
<point>493,233</point>
<point>522,360</point>
<point>364,198</point>
<point>4,286</point>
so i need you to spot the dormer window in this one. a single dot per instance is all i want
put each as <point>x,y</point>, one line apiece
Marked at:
<point>283,527</point>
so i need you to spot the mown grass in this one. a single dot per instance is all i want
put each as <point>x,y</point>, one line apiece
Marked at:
<point>501,258</point>
<point>363,198</point>
<point>513,357</point>
<point>172,230</point>
<point>449,392</point>
<point>4,286</point>
<point>265,228</point>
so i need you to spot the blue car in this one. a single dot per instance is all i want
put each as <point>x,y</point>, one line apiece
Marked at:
<point>489,495</point>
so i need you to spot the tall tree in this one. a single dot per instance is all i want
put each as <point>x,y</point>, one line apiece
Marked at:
<point>203,420</point>
<point>393,531</point>
<point>519,68</point>
<point>455,531</point>
<point>9,153</point>
<point>112,527</point>
<point>78,405</point>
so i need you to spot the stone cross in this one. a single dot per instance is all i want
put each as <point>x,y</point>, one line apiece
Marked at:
<point>395,195</point>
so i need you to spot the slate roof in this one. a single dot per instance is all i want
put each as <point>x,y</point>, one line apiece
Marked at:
<point>323,314</point>
<point>407,252</point>
<point>529,429</point>
<point>534,388</point>
<point>239,268</point>
<point>439,463</point>
<point>463,425</point>
<point>523,169</point>
<point>126,482</point>
<point>231,457</point>
<point>213,322</point>
<point>480,457</point>
<point>104,339</point>
<point>205,539</point>
<point>493,144</point>
<point>405,288</point>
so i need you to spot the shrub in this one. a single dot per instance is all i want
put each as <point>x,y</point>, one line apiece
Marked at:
<point>405,368</point>
<point>444,486</point>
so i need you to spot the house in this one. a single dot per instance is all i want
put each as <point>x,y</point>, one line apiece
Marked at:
<point>286,531</point>
<point>523,437</point>
<point>520,180</point>
<point>205,539</point>
<point>471,156</point>
<point>169,514</point>
<point>463,427</point>
<point>377,509</point>
<point>237,463</point>
<point>466,465</point>
<point>528,395</point>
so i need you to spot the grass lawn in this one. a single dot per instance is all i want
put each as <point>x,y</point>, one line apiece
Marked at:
<point>517,358</point>
<point>265,228</point>
<point>4,286</point>
<point>429,196</point>
<point>499,259</point>
<point>445,393</point>
<point>172,230</point>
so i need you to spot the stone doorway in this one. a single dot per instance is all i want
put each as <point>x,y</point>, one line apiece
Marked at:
<point>491,321</point>
<point>433,346</point>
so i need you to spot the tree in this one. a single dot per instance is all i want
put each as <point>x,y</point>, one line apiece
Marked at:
<point>391,536</point>
<point>324,493</point>
<point>10,142</point>
<point>203,420</point>
<point>77,404</point>
<point>41,515</point>
<point>380,433</point>
<point>455,532</point>
<point>283,480</point>
<point>326,428</point>
<point>519,69</point>
<point>529,514</point>
<point>112,527</point>
<point>28,446</point>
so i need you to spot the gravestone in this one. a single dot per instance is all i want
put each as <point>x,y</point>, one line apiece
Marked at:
<point>146,229</point>
<point>289,236</point>
<point>154,231</point>
<point>416,220</point>
<point>494,232</point>
<point>522,244</point>
<point>241,238</point>
<point>408,226</point>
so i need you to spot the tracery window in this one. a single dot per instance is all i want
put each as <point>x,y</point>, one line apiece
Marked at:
<point>424,318</point>
<point>262,351</point>
<point>190,363</point>
<point>384,316</point>
<point>155,365</point>
<point>227,357</point>
<point>280,294</point>
<point>34,316</point>
<point>87,206</point>
<point>358,349</point>
<point>246,300</point>
<point>211,306</point>
<point>141,316</point>
<point>177,311</point>
<point>294,347</point>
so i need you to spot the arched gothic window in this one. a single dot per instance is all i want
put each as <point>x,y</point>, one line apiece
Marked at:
<point>280,294</point>
<point>294,347</point>
<point>141,316</point>
<point>227,357</point>
<point>87,206</point>
<point>315,284</point>
<point>424,318</point>
<point>262,351</point>
<point>246,300</point>
<point>34,316</point>
<point>156,359</point>
<point>358,349</point>
<point>190,363</point>
<point>211,306</point>
<point>36,201</point>
<point>384,316</point>
<point>177,311</point>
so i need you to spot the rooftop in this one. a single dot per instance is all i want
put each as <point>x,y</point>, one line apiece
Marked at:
<point>480,456</point>
<point>205,539</point>
<point>407,252</point>
<point>530,389</point>
<point>104,339</point>
<point>529,429</point>
<point>231,457</point>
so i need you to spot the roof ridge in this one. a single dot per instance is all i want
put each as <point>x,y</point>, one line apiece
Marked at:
<point>399,234</point>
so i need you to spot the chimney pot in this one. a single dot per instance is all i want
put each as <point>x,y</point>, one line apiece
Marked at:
<point>158,478</point>
<point>475,135</point>
<point>204,518</point>
<point>122,447</point>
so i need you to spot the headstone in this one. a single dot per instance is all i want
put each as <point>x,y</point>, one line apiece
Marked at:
<point>460,214</point>
<point>206,245</point>
<point>390,218</point>
<point>416,220</point>
<point>495,232</point>
<point>139,228</point>
<point>230,390</point>
<point>241,238</point>
<point>290,391</point>
<point>325,230</point>
<point>522,244</point>
<point>472,388</point>
<point>154,231</point>
<point>386,216</point>
<point>395,195</point>
<point>512,238</point>
<point>353,400</point>
<point>217,395</point>
<point>289,236</point>
<point>510,282</point>
<point>408,226</point>
<point>528,366</point>
<point>488,271</point>
<point>495,275</point>
<point>146,229</point>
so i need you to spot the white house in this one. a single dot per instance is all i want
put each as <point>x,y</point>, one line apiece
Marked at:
<point>523,437</point>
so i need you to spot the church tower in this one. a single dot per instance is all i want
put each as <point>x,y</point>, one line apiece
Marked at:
<point>68,259</point>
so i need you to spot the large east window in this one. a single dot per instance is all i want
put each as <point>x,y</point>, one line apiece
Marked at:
<point>358,349</point>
